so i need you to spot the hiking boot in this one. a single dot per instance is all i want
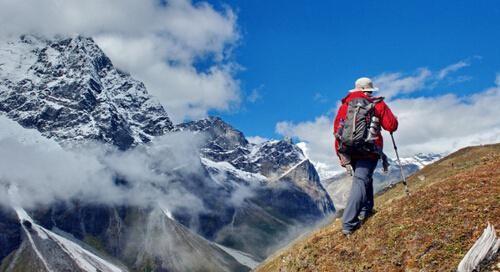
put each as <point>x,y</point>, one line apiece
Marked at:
<point>347,232</point>
<point>351,231</point>
<point>364,216</point>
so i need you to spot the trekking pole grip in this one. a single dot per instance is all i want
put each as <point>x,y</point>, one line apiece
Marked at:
<point>393,142</point>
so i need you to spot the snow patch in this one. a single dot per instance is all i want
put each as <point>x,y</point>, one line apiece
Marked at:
<point>257,140</point>
<point>290,170</point>
<point>224,166</point>
<point>240,256</point>
<point>421,160</point>
<point>83,258</point>
<point>167,212</point>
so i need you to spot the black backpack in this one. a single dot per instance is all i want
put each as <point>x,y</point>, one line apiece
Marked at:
<point>357,132</point>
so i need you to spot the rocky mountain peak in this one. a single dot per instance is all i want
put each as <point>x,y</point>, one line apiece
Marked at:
<point>221,135</point>
<point>67,88</point>
<point>225,143</point>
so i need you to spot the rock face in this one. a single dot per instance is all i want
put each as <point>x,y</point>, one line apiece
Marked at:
<point>10,232</point>
<point>68,89</point>
<point>339,185</point>
<point>254,197</point>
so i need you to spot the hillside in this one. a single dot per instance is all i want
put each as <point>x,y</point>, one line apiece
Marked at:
<point>452,201</point>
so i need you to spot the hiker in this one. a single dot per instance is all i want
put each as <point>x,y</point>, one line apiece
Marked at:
<point>359,143</point>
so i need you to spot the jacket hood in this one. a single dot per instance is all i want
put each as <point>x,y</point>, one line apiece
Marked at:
<point>360,94</point>
<point>353,95</point>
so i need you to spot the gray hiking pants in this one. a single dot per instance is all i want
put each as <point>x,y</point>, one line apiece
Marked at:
<point>361,197</point>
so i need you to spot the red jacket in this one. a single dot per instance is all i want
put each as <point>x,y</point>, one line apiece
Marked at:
<point>387,119</point>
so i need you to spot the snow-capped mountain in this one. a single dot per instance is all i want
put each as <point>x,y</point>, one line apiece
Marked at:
<point>249,197</point>
<point>339,185</point>
<point>67,88</point>
<point>420,159</point>
<point>224,143</point>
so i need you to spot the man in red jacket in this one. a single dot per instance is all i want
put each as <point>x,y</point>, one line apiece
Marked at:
<point>360,203</point>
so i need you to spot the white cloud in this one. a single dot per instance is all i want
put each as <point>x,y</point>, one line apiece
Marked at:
<point>393,84</point>
<point>320,98</point>
<point>44,172</point>
<point>452,68</point>
<point>255,95</point>
<point>157,44</point>
<point>257,139</point>
<point>448,122</point>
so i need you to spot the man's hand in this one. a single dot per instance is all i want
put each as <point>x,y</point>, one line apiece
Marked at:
<point>348,168</point>
<point>385,163</point>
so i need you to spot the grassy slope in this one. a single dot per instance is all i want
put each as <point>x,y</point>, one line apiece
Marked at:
<point>452,200</point>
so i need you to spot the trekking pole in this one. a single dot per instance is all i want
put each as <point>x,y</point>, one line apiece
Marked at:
<point>400,166</point>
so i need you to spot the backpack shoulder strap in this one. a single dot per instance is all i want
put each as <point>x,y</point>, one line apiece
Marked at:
<point>377,99</point>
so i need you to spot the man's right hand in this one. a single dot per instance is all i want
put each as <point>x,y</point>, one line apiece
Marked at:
<point>349,170</point>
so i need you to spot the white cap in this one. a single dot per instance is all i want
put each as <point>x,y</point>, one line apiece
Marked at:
<point>364,84</point>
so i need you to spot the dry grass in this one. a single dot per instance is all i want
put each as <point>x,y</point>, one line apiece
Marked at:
<point>429,231</point>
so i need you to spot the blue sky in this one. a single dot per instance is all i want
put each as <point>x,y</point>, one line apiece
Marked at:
<point>300,57</point>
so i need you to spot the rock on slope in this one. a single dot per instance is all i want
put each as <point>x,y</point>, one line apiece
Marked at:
<point>429,231</point>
